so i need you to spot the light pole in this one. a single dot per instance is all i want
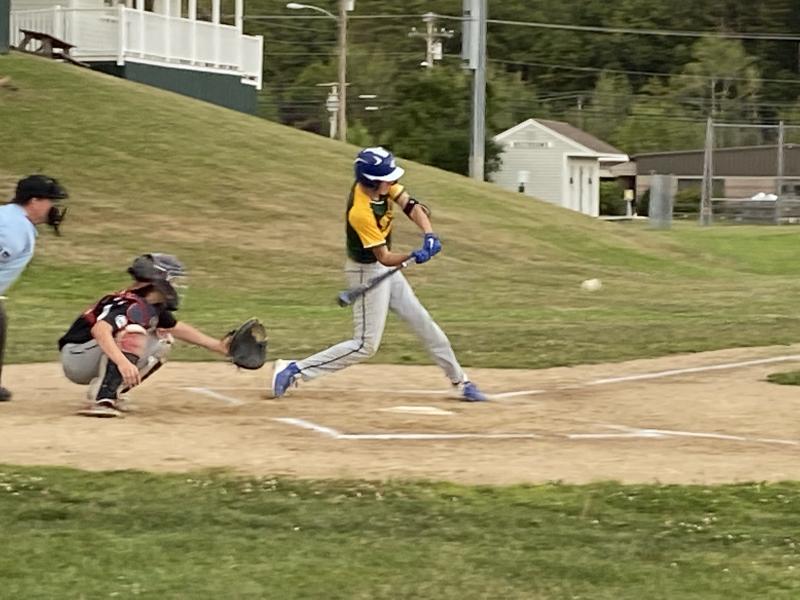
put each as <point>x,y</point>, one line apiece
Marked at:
<point>474,55</point>
<point>344,6</point>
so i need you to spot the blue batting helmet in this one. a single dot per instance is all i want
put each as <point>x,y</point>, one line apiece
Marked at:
<point>373,165</point>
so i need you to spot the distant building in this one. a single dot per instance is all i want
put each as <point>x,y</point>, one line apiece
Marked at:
<point>556,162</point>
<point>158,42</point>
<point>741,172</point>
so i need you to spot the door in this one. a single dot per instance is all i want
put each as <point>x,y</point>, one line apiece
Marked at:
<point>574,197</point>
<point>582,185</point>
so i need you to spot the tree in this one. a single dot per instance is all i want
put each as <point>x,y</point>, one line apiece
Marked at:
<point>509,100</point>
<point>431,121</point>
<point>540,72</point>
<point>658,122</point>
<point>608,106</point>
<point>721,81</point>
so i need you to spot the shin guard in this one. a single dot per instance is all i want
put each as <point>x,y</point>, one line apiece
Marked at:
<point>111,382</point>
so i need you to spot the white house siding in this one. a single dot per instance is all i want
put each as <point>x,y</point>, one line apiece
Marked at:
<point>544,164</point>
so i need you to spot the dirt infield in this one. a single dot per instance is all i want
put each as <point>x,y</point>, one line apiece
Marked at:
<point>700,418</point>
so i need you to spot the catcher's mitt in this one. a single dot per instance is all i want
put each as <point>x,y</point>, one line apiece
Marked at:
<point>247,345</point>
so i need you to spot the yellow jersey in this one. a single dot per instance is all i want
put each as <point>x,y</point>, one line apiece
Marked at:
<point>369,222</point>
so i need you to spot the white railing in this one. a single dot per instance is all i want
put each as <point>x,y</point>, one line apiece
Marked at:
<point>122,34</point>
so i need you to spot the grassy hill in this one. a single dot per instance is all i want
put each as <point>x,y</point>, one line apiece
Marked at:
<point>256,211</point>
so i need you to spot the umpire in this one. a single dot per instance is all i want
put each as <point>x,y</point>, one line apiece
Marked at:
<point>35,202</point>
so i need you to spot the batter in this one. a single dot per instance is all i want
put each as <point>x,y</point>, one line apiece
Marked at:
<point>374,197</point>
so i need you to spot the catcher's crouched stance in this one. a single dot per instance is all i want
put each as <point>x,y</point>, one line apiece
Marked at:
<point>126,336</point>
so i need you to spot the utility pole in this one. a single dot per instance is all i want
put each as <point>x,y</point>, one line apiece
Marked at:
<point>433,39</point>
<point>343,7</point>
<point>474,54</point>
<point>779,178</point>
<point>706,204</point>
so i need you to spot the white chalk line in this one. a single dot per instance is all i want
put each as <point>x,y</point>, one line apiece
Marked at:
<point>613,436</point>
<point>656,375</point>
<point>437,436</point>
<point>710,436</point>
<point>623,433</point>
<point>326,431</point>
<point>687,371</point>
<point>216,395</point>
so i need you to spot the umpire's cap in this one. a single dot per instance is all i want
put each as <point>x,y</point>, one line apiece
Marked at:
<point>39,186</point>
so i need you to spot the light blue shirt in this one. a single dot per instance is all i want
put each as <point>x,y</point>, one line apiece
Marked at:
<point>17,241</point>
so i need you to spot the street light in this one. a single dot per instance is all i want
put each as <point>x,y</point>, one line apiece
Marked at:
<point>344,6</point>
<point>298,6</point>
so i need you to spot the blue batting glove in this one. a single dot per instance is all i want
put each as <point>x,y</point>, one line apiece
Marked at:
<point>432,244</point>
<point>420,256</point>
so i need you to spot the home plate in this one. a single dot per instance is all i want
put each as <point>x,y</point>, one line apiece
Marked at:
<point>417,410</point>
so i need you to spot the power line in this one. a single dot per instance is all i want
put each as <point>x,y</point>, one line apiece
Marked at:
<point>370,53</point>
<point>779,37</point>
<point>330,43</point>
<point>763,36</point>
<point>643,73</point>
<point>323,17</point>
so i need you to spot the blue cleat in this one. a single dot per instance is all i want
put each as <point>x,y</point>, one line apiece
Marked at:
<point>471,393</point>
<point>283,376</point>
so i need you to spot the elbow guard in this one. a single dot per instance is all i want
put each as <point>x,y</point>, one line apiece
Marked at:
<point>409,207</point>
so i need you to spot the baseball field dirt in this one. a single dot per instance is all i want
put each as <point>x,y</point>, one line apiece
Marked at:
<point>696,418</point>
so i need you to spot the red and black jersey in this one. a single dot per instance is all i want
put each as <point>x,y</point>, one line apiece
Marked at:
<point>126,307</point>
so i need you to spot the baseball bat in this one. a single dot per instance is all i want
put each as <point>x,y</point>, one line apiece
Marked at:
<point>347,297</point>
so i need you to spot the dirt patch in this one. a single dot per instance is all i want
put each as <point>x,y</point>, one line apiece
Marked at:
<point>569,424</point>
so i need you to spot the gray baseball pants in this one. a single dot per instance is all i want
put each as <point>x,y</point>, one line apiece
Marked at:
<point>84,362</point>
<point>369,319</point>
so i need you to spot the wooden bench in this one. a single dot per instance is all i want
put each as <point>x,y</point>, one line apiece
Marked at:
<point>49,46</point>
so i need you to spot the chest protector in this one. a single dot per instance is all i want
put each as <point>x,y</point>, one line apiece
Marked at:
<point>138,312</point>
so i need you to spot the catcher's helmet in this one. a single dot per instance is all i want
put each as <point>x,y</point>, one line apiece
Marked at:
<point>373,165</point>
<point>162,271</point>
<point>150,267</point>
<point>38,186</point>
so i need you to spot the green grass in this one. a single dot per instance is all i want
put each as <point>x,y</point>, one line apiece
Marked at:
<point>70,534</point>
<point>255,209</point>
<point>786,378</point>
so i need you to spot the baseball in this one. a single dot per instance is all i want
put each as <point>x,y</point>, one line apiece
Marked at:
<point>591,285</point>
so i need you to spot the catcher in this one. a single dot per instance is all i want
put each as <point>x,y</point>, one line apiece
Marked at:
<point>125,337</point>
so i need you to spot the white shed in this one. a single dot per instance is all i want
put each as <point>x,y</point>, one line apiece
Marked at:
<point>556,162</point>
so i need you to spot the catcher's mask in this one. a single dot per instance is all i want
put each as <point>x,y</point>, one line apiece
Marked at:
<point>42,186</point>
<point>164,272</point>
<point>54,218</point>
<point>171,298</point>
